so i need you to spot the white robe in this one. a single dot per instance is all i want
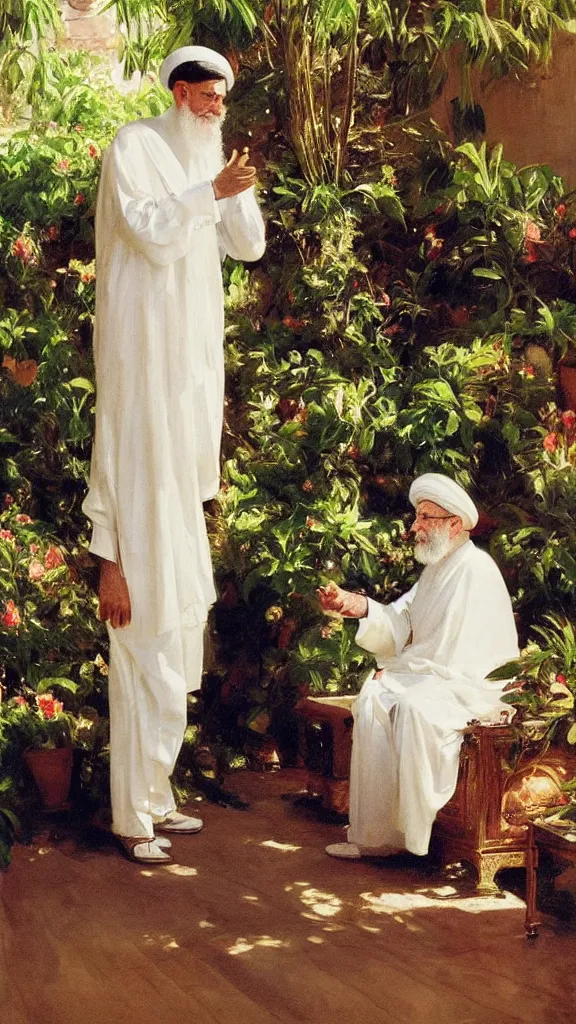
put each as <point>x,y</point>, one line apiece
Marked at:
<point>160,236</point>
<point>434,648</point>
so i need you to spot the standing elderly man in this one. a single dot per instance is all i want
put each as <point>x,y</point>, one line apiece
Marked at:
<point>168,211</point>
<point>434,648</point>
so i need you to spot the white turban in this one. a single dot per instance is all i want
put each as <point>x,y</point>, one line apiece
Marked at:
<point>447,494</point>
<point>209,59</point>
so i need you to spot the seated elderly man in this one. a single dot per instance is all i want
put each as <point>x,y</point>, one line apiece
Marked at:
<point>434,648</point>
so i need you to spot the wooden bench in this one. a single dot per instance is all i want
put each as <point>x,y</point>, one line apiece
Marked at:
<point>483,824</point>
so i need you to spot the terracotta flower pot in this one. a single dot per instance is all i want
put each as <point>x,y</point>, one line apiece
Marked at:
<point>52,773</point>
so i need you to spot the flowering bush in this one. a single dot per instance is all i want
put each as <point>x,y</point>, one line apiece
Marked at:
<point>39,721</point>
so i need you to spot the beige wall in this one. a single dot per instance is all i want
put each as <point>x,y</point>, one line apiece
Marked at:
<point>534,118</point>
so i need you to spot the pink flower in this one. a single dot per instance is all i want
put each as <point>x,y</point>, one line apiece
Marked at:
<point>385,299</point>
<point>36,571</point>
<point>23,518</point>
<point>7,535</point>
<point>11,617</point>
<point>77,127</point>
<point>87,277</point>
<point>20,702</point>
<point>63,165</point>
<point>33,548</point>
<point>79,199</point>
<point>54,558</point>
<point>550,442</point>
<point>8,500</point>
<point>308,486</point>
<point>569,419</point>
<point>532,232</point>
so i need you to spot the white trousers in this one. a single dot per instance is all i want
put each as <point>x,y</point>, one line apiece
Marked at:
<point>405,758</point>
<point>147,687</point>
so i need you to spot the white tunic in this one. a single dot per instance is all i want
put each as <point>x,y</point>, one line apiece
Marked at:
<point>434,647</point>
<point>160,368</point>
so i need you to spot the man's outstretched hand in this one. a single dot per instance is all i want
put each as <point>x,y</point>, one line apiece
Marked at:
<point>237,176</point>
<point>114,597</point>
<point>334,599</point>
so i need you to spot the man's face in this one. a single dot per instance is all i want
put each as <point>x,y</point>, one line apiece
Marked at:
<point>435,531</point>
<point>204,99</point>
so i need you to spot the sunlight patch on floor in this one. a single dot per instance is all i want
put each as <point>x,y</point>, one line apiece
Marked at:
<point>206,924</point>
<point>242,945</point>
<point>316,939</point>
<point>325,904</point>
<point>284,847</point>
<point>179,869</point>
<point>397,903</point>
<point>251,899</point>
<point>166,941</point>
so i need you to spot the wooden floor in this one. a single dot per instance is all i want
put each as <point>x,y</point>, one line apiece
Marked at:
<point>253,924</point>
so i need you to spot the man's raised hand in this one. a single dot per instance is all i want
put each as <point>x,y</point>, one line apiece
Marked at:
<point>343,602</point>
<point>237,176</point>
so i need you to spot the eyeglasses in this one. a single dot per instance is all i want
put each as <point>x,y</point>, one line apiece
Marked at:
<point>424,516</point>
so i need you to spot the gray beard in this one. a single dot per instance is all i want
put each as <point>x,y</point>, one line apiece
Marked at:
<point>196,142</point>
<point>433,550</point>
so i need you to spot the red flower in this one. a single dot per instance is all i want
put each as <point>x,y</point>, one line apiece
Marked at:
<point>11,617</point>
<point>93,151</point>
<point>79,199</point>
<point>292,323</point>
<point>54,558</point>
<point>532,232</point>
<point>8,500</point>
<point>385,299</point>
<point>53,233</point>
<point>561,679</point>
<point>561,210</point>
<point>23,518</point>
<point>572,233</point>
<point>48,705</point>
<point>550,442</point>
<point>308,486</point>
<point>77,127</point>
<point>6,535</point>
<point>532,254</point>
<point>87,277</point>
<point>430,231</point>
<point>527,371</point>
<point>569,419</point>
<point>23,250</point>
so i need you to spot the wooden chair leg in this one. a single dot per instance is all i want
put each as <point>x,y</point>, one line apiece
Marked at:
<point>531,922</point>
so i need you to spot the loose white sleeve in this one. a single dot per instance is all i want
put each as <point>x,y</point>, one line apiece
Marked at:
<point>387,629</point>
<point>104,543</point>
<point>241,231</point>
<point>162,229</point>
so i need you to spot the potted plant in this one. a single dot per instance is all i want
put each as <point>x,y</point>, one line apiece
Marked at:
<point>45,732</point>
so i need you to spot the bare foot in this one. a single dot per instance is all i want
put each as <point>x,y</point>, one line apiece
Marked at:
<point>114,597</point>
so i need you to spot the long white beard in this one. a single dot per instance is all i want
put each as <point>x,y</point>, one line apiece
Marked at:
<point>433,549</point>
<point>197,142</point>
